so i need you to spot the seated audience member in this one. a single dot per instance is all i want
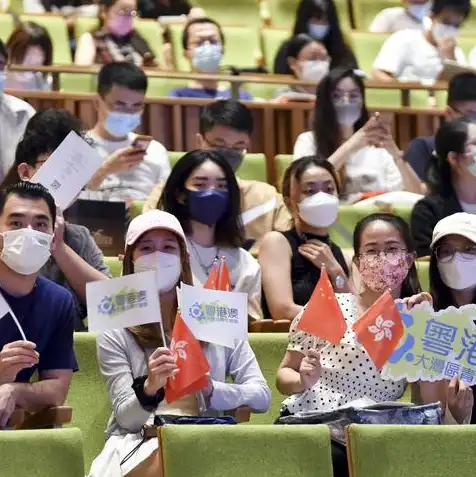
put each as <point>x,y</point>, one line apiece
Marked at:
<point>136,363</point>
<point>319,376</point>
<point>411,15</point>
<point>308,61</point>
<point>461,103</point>
<point>319,20</point>
<point>203,194</point>
<point>14,115</point>
<point>155,9</point>
<point>75,259</point>
<point>291,261</point>
<point>203,44</point>
<point>361,148</point>
<point>29,45</point>
<point>115,39</point>
<point>451,181</point>
<point>130,172</point>
<point>410,55</point>
<point>226,126</point>
<point>45,311</point>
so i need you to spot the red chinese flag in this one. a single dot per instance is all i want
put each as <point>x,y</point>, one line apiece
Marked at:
<point>224,282</point>
<point>191,361</point>
<point>322,316</point>
<point>380,329</point>
<point>212,280</point>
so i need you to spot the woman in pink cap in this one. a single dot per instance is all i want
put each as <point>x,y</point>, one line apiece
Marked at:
<point>136,363</point>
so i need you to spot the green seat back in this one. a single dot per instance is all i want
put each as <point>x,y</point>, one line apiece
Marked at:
<point>342,231</point>
<point>135,208</point>
<point>281,163</point>
<point>366,10</point>
<point>88,397</point>
<point>78,83</point>
<point>243,12</point>
<point>174,157</point>
<point>84,25</point>
<point>416,451</point>
<point>42,453</point>
<point>6,26</point>
<point>423,269</point>
<point>282,12</point>
<point>271,40</point>
<point>115,266</point>
<point>58,31</point>
<point>264,451</point>
<point>269,349</point>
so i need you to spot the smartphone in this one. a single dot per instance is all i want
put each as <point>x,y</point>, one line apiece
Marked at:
<point>142,142</point>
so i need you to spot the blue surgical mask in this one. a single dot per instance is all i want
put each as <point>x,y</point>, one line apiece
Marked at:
<point>207,57</point>
<point>419,11</point>
<point>207,206</point>
<point>121,124</point>
<point>318,32</point>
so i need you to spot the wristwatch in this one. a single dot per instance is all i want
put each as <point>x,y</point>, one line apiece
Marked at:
<point>339,282</point>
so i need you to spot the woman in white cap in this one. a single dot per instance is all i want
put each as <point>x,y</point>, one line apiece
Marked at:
<point>136,363</point>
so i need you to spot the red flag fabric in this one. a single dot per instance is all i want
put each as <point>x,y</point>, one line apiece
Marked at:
<point>212,280</point>
<point>224,282</point>
<point>380,329</point>
<point>322,316</point>
<point>190,360</point>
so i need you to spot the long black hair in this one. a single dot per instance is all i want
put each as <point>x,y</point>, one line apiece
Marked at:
<point>411,284</point>
<point>327,134</point>
<point>229,230</point>
<point>294,47</point>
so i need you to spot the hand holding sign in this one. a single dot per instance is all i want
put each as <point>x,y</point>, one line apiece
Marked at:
<point>459,400</point>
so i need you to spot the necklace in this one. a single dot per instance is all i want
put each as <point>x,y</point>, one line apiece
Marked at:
<point>203,266</point>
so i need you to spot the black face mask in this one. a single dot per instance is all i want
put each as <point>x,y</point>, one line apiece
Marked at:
<point>232,156</point>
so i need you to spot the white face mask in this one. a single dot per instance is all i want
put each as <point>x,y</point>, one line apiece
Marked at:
<point>440,30</point>
<point>314,70</point>
<point>419,11</point>
<point>25,251</point>
<point>348,113</point>
<point>168,268</point>
<point>319,210</point>
<point>458,274</point>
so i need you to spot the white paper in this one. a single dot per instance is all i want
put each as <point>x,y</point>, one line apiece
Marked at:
<point>71,166</point>
<point>215,316</point>
<point>6,311</point>
<point>122,302</point>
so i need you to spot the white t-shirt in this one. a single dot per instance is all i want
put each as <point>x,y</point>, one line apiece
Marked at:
<point>368,170</point>
<point>134,184</point>
<point>393,19</point>
<point>348,373</point>
<point>408,56</point>
<point>472,58</point>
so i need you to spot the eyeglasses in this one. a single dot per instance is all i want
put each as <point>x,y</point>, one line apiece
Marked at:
<point>354,98</point>
<point>446,253</point>
<point>392,254</point>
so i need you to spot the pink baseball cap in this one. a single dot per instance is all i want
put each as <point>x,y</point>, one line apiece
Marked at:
<point>154,219</point>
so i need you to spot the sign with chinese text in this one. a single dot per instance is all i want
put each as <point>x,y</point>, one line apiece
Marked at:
<point>435,345</point>
<point>215,316</point>
<point>130,300</point>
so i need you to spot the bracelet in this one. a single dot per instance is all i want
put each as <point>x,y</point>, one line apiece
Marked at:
<point>149,403</point>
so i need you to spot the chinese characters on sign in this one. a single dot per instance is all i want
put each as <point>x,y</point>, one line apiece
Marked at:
<point>123,301</point>
<point>435,346</point>
<point>214,311</point>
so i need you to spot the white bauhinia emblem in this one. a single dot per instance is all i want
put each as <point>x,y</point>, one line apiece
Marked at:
<point>178,349</point>
<point>382,329</point>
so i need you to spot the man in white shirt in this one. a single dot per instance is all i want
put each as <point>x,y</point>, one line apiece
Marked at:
<point>14,115</point>
<point>130,169</point>
<point>417,55</point>
<point>410,16</point>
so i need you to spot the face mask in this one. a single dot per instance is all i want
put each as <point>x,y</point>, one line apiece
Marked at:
<point>472,166</point>
<point>121,124</point>
<point>319,210</point>
<point>318,32</point>
<point>348,113</point>
<point>314,70</point>
<point>120,25</point>
<point>25,80</point>
<point>458,274</point>
<point>440,30</point>
<point>419,11</point>
<point>232,156</point>
<point>168,268</point>
<point>207,58</point>
<point>25,251</point>
<point>379,274</point>
<point>207,206</point>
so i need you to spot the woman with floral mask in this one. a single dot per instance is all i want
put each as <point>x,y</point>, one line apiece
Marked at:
<point>361,148</point>
<point>29,45</point>
<point>115,39</point>
<point>136,363</point>
<point>291,261</point>
<point>203,194</point>
<point>451,180</point>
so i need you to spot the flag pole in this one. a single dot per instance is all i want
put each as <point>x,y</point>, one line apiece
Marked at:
<point>162,333</point>
<point>20,329</point>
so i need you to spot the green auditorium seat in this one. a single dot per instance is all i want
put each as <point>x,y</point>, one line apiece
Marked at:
<point>6,26</point>
<point>423,270</point>
<point>282,13</point>
<point>114,264</point>
<point>416,451</point>
<point>271,40</point>
<point>281,163</point>
<point>42,453</point>
<point>251,451</point>
<point>174,157</point>
<point>135,208</point>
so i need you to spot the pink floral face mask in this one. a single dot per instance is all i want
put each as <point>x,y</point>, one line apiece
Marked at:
<point>379,273</point>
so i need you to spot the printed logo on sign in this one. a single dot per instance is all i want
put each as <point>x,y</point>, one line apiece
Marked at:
<point>213,312</point>
<point>125,300</point>
<point>55,185</point>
